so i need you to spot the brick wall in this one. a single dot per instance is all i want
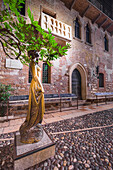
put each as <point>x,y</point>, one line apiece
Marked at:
<point>85,54</point>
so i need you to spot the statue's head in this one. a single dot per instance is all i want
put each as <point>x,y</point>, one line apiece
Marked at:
<point>34,54</point>
<point>37,56</point>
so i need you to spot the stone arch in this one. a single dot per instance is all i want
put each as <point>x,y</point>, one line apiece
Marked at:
<point>89,24</point>
<point>83,74</point>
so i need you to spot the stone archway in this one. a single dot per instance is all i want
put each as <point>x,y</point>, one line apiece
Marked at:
<point>82,72</point>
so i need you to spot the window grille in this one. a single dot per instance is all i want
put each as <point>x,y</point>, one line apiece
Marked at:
<point>22,10</point>
<point>101,80</point>
<point>105,6</point>
<point>105,43</point>
<point>77,28</point>
<point>30,75</point>
<point>88,34</point>
<point>46,71</point>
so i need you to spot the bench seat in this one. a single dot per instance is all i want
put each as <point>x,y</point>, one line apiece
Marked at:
<point>105,95</point>
<point>49,98</point>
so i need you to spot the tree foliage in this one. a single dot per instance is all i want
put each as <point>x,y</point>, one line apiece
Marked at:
<point>18,37</point>
<point>5,92</point>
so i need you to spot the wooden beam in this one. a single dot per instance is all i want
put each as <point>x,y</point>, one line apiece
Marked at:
<point>96,18</point>
<point>102,23</point>
<point>108,26</point>
<point>72,5</point>
<point>86,10</point>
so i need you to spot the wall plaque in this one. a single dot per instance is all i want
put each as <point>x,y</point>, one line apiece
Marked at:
<point>16,64</point>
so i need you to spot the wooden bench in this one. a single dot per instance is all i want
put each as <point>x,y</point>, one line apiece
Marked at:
<point>103,94</point>
<point>57,98</point>
<point>17,98</point>
<point>61,98</point>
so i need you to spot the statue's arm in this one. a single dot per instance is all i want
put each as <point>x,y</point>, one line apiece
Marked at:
<point>40,84</point>
<point>36,77</point>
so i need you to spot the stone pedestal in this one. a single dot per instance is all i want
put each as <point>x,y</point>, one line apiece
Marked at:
<point>27,155</point>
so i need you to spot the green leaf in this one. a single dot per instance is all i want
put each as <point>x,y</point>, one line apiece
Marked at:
<point>30,15</point>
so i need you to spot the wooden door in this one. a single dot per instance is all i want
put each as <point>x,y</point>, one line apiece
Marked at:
<point>76,83</point>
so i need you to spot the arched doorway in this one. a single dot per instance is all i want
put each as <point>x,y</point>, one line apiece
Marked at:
<point>76,83</point>
<point>81,73</point>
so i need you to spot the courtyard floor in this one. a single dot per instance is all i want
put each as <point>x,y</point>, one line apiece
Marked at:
<point>84,141</point>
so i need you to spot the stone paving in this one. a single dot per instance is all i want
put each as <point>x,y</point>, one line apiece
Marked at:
<point>13,123</point>
<point>82,143</point>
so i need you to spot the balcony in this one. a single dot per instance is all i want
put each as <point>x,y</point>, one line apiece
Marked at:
<point>57,27</point>
<point>104,6</point>
<point>98,11</point>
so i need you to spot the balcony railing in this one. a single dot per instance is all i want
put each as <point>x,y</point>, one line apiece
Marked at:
<point>105,6</point>
<point>57,27</point>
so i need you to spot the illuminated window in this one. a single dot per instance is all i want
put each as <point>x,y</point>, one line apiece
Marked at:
<point>46,78</point>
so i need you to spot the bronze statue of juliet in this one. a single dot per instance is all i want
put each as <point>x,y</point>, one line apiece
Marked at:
<point>31,130</point>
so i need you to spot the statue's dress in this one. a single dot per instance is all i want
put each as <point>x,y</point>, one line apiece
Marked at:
<point>36,108</point>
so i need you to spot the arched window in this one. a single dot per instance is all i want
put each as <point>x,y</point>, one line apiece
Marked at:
<point>88,34</point>
<point>22,9</point>
<point>106,43</point>
<point>101,80</point>
<point>46,77</point>
<point>77,29</point>
<point>30,76</point>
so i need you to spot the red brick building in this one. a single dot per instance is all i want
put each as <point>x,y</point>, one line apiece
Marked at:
<point>88,66</point>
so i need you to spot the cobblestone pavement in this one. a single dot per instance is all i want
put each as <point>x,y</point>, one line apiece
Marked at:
<point>81,150</point>
<point>87,121</point>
